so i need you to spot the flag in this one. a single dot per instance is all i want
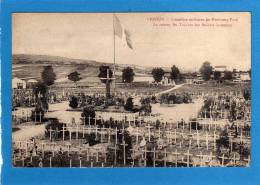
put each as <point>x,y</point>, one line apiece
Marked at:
<point>128,39</point>
<point>118,30</point>
<point>121,32</point>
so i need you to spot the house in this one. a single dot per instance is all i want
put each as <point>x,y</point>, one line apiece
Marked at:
<point>143,79</point>
<point>189,77</point>
<point>18,83</point>
<point>30,83</point>
<point>166,80</point>
<point>198,79</point>
<point>244,76</point>
<point>240,76</point>
<point>220,69</point>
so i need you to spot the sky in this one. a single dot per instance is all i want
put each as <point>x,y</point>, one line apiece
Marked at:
<point>90,36</point>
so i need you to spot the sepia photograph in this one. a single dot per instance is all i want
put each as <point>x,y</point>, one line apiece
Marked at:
<point>110,90</point>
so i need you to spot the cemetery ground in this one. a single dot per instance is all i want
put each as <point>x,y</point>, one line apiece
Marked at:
<point>193,134</point>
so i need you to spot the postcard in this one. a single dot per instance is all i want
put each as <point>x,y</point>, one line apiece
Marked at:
<point>109,90</point>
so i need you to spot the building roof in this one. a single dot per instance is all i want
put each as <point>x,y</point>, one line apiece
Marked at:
<point>17,80</point>
<point>220,68</point>
<point>32,81</point>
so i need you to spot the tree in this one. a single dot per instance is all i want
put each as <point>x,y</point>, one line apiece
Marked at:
<point>175,73</point>
<point>75,77</point>
<point>48,75</point>
<point>157,74</point>
<point>228,75</point>
<point>206,71</point>
<point>128,75</point>
<point>40,91</point>
<point>217,75</point>
<point>105,75</point>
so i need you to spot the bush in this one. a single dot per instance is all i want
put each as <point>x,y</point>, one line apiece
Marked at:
<point>73,102</point>
<point>56,126</point>
<point>92,139</point>
<point>175,99</point>
<point>37,114</point>
<point>88,112</point>
<point>195,125</point>
<point>222,142</point>
<point>129,104</point>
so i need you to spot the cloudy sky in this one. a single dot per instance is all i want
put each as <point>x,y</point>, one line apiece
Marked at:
<point>90,36</point>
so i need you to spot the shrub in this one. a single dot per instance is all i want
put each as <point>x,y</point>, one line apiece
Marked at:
<point>129,104</point>
<point>37,114</point>
<point>92,139</point>
<point>88,112</point>
<point>73,102</point>
<point>56,126</point>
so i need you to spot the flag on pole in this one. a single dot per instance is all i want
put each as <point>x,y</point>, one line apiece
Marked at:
<point>128,39</point>
<point>118,30</point>
<point>121,32</point>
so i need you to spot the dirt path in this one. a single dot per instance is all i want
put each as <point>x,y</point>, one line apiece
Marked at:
<point>169,90</point>
<point>28,132</point>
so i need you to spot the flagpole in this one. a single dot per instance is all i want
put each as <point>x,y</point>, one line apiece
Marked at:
<point>114,68</point>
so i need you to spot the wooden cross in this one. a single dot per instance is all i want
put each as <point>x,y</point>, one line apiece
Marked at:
<point>109,134</point>
<point>215,138</point>
<point>145,153</point>
<point>69,145</point>
<point>102,133</point>
<point>149,131</point>
<point>241,138</point>
<point>70,134</point>
<point>235,159</point>
<point>176,157</point>
<point>188,158</point>
<point>165,157</point>
<point>89,121</point>
<point>175,136</point>
<point>154,156</point>
<point>200,157</point>
<point>50,162</point>
<point>198,139</point>
<point>70,163</point>
<point>50,130</point>
<point>124,154</point>
<point>53,148</point>
<point>63,132</point>
<point>207,140</point>
<point>248,160</point>
<point>42,146</point>
<point>190,126</point>
<point>223,159</point>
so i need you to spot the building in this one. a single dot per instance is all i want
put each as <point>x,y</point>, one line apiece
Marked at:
<point>198,79</point>
<point>244,76</point>
<point>31,83</point>
<point>240,76</point>
<point>166,80</point>
<point>18,83</point>
<point>220,69</point>
<point>143,79</point>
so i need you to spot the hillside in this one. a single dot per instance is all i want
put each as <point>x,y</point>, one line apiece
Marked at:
<point>31,66</point>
